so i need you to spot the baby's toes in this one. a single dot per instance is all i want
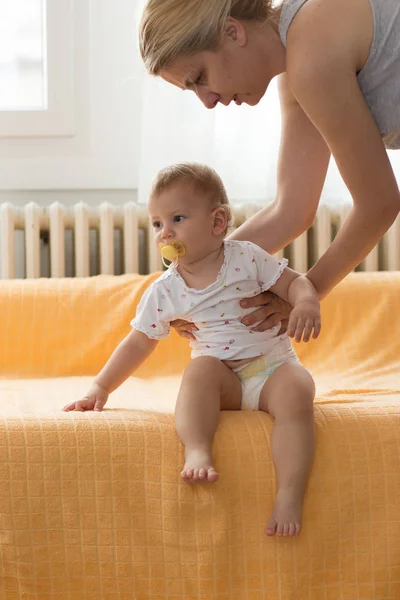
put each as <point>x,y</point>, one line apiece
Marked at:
<point>202,473</point>
<point>196,474</point>
<point>188,474</point>
<point>212,474</point>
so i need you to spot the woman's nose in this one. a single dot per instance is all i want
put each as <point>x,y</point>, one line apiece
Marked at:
<point>209,99</point>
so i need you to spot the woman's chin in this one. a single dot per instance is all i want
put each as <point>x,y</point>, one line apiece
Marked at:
<point>252,101</point>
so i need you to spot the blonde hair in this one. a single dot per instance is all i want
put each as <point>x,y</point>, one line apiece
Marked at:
<point>204,180</point>
<point>171,28</point>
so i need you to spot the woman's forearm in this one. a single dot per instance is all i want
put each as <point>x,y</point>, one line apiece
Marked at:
<point>271,228</point>
<point>359,234</point>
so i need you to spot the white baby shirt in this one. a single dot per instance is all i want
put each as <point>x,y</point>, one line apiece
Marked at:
<point>247,270</point>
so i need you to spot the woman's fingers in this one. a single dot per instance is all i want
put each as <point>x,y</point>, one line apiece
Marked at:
<point>272,310</point>
<point>258,315</point>
<point>261,299</point>
<point>180,324</point>
<point>184,328</point>
<point>269,322</point>
<point>186,334</point>
<point>284,326</point>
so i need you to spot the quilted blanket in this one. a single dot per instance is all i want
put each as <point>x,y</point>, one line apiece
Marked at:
<point>92,506</point>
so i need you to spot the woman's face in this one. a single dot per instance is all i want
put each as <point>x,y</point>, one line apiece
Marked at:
<point>239,71</point>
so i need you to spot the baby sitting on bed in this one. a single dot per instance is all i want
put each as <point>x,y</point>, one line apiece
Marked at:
<point>233,367</point>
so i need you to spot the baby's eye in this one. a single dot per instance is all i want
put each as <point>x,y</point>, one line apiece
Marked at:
<point>178,218</point>
<point>156,224</point>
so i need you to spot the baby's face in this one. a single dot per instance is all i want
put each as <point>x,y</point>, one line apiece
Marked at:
<point>181,213</point>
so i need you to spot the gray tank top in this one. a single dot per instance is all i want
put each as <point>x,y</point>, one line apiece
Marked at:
<point>379,80</point>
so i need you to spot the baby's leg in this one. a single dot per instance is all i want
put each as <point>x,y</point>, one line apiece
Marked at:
<point>207,387</point>
<point>288,396</point>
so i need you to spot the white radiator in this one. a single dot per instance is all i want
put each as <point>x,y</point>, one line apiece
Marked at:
<point>136,246</point>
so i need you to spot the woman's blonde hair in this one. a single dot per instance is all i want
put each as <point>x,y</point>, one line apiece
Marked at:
<point>172,28</point>
<point>204,180</point>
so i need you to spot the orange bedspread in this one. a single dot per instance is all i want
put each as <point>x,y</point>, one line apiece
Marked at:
<point>92,507</point>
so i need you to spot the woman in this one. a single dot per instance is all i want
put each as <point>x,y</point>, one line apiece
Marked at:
<point>339,84</point>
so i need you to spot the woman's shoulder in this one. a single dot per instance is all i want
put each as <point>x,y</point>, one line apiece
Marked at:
<point>323,31</point>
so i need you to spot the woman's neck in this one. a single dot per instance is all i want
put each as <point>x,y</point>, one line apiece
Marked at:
<point>270,47</point>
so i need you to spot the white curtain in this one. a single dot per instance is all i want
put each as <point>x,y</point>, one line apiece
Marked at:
<point>240,142</point>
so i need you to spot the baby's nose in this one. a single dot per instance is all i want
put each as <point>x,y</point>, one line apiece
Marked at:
<point>167,234</point>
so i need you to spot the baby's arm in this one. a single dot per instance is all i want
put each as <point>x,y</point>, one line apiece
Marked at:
<point>126,358</point>
<point>301,294</point>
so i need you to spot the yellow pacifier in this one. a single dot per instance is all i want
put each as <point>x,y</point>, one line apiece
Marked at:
<point>171,252</point>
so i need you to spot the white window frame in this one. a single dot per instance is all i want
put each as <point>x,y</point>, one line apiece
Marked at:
<point>57,118</point>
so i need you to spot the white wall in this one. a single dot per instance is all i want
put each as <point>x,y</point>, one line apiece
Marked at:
<point>103,152</point>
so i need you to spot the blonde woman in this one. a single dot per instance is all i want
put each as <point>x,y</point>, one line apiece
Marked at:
<point>339,83</point>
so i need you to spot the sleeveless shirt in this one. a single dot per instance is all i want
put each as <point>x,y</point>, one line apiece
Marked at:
<point>379,79</point>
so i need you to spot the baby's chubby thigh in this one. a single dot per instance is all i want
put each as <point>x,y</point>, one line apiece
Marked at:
<point>210,377</point>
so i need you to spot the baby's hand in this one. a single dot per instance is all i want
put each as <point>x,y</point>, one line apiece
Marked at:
<point>95,399</point>
<point>305,316</point>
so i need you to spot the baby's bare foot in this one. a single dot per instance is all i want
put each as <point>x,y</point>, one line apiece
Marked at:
<point>198,466</point>
<point>286,515</point>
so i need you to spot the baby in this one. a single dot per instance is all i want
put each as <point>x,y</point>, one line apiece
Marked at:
<point>233,367</point>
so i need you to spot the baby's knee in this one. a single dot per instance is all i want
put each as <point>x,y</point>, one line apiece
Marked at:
<point>296,398</point>
<point>203,367</point>
<point>299,405</point>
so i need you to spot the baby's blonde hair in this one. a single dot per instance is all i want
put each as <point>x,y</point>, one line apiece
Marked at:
<point>204,180</point>
<point>171,28</point>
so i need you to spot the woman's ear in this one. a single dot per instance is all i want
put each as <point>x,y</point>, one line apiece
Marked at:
<point>220,223</point>
<point>235,30</point>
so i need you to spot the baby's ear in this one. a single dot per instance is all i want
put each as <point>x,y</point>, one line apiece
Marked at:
<point>220,220</point>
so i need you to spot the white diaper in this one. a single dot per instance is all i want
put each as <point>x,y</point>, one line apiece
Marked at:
<point>254,374</point>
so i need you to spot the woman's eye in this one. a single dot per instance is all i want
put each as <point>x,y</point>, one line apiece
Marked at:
<point>178,219</point>
<point>200,80</point>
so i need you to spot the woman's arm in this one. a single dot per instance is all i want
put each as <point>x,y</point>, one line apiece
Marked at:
<point>302,165</point>
<point>322,73</point>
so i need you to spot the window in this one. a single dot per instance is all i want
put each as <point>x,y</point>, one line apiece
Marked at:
<point>36,68</point>
<point>22,55</point>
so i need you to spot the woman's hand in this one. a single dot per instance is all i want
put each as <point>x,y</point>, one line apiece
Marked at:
<point>184,328</point>
<point>272,309</point>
